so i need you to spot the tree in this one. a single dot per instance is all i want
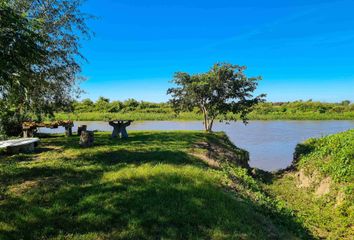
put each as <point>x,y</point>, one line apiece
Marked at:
<point>20,49</point>
<point>131,104</point>
<point>115,106</point>
<point>40,58</point>
<point>222,90</point>
<point>102,104</point>
<point>86,105</point>
<point>345,102</point>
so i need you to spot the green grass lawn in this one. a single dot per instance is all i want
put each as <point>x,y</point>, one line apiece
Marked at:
<point>154,185</point>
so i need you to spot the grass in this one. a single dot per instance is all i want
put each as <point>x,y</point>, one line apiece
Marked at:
<point>330,215</point>
<point>154,185</point>
<point>187,116</point>
<point>331,155</point>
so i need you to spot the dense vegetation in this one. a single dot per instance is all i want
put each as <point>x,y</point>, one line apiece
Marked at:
<point>154,185</point>
<point>331,155</point>
<point>321,187</point>
<point>104,109</point>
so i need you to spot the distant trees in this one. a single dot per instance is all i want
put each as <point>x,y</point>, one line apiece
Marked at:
<point>115,106</point>
<point>345,102</point>
<point>164,111</point>
<point>131,104</point>
<point>39,54</point>
<point>102,104</point>
<point>105,105</point>
<point>224,89</point>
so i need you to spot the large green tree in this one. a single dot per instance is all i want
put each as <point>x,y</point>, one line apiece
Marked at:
<point>222,90</point>
<point>21,49</point>
<point>39,54</point>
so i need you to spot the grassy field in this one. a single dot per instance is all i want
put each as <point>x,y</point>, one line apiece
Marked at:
<point>321,187</point>
<point>154,185</point>
<point>189,116</point>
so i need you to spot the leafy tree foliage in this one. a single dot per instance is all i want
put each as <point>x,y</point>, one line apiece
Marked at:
<point>345,102</point>
<point>222,90</point>
<point>39,54</point>
<point>20,50</point>
<point>131,104</point>
<point>102,104</point>
<point>115,106</point>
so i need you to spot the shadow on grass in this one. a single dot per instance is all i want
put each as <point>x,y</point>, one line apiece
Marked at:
<point>169,205</point>
<point>124,157</point>
<point>161,138</point>
<point>127,194</point>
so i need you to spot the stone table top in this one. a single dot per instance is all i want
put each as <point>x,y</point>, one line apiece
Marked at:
<point>17,142</point>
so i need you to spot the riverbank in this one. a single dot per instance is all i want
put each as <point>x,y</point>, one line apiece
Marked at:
<point>192,116</point>
<point>166,184</point>
<point>320,185</point>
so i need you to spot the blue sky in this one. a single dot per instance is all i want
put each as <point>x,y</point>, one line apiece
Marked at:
<point>302,48</point>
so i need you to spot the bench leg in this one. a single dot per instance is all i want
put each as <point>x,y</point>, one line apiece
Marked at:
<point>28,133</point>
<point>124,133</point>
<point>116,132</point>
<point>68,131</point>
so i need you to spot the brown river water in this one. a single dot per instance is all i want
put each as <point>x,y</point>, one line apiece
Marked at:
<point>270,143</point>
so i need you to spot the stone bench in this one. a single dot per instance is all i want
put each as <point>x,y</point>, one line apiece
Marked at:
<point>15,146</point>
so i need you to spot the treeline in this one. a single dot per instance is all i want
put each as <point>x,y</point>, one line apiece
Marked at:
<point>104,109</point>
<point>105,105</point>
<point>304,107</point>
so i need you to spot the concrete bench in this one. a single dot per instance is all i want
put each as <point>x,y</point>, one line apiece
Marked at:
<point>19,145</point>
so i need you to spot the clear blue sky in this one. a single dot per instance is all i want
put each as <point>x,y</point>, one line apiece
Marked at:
<point>302,48</point>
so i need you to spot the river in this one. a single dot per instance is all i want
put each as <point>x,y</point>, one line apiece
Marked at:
<point>270,143</point>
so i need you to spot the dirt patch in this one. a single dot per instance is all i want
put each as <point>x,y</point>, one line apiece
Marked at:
<point>340,199</point>
<point>304,181</point>
<point>21,188</point>
<point>324,187</point>
<point>204,157</point>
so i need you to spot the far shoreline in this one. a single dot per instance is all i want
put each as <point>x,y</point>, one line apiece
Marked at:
<point>184,117</point>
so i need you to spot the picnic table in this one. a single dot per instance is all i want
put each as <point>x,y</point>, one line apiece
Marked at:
<point>14,146</point>
<point>30,127</point>
<point>119,128</point>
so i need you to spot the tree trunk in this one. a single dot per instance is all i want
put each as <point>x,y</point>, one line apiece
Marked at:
<point>210,125</point>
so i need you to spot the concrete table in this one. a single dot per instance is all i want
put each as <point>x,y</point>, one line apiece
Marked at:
<point>15,146</point>
<point>119,128</point>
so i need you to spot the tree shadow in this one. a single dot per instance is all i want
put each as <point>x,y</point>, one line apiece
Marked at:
<point>168,205</point>
<point>124,157</point>
<point>135,138</point>
<point>117,193</point>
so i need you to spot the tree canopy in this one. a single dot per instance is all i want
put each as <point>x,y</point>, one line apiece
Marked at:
<point>39,54</point>
<point>224,89</point>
